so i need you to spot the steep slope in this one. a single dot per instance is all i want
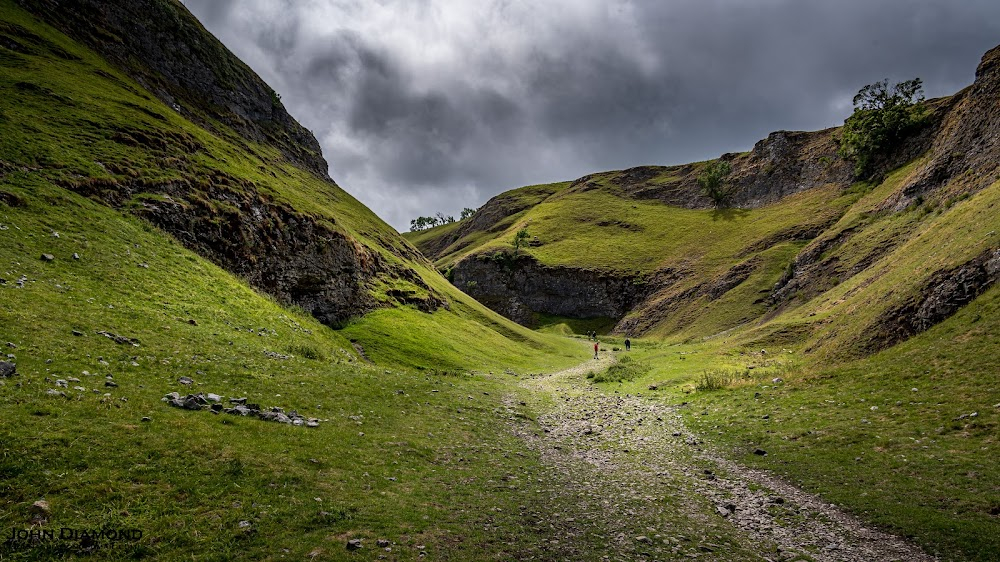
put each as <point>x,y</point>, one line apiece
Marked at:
<point>146,250</point>
<point>644,249</point>
<point>222,170</point>
<point>185,67</point>
<point>73,120</point>
<point>96,342</point>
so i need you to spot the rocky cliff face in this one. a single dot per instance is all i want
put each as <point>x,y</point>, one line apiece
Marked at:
<point>961,149</point>
<point>520,287</point>
<point>295,257</point>
<point>940,296</point>
<point>784,163</point>
<point>964,152</point>
<point>160,45</point>
<point>163,173</point>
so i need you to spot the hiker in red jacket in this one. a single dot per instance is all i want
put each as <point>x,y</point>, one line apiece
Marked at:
<point>595,349</point>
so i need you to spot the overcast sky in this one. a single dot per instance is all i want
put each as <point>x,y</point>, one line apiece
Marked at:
<point>435,105</point>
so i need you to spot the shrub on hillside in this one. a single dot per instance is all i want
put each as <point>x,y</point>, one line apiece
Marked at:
<point>882,118</point>
<point>712,180</point>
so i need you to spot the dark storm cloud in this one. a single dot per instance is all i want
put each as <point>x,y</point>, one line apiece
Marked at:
<point>437,105</point>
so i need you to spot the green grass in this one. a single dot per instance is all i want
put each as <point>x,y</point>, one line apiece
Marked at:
<point>885,436</point>
<point>625,369</point>
<point>405,445</point>
<point>888,437</point>
<point>187,479</point>
<point>512,206</point>
<point>644,235</point>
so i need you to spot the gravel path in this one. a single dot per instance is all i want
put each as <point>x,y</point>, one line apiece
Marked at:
<point>635,474</point>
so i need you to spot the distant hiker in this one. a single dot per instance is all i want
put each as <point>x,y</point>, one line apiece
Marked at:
<point>595,349</point>
<point>628,344</point>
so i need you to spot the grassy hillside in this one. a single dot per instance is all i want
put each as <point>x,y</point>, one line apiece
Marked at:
<point>71,121</point>
<point>680,249</point>
<point>122,311</point>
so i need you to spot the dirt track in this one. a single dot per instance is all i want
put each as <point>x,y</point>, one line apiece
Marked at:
<point>639,480</point>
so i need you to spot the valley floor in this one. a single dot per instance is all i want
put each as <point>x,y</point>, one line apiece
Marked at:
<point>627,480</point>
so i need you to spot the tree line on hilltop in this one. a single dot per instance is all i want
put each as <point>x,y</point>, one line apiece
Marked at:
<point>423,223</point>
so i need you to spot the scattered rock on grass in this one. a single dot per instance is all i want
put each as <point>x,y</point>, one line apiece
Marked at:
<point>7,369</point>
<point>47,257</point>
<point>240,408</point>
<point>119,339</point>
<point>40,511</point>
<point>354,544</point>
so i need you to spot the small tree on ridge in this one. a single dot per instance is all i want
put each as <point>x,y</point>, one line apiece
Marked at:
<point>881,120</point>
<point>712,180</point>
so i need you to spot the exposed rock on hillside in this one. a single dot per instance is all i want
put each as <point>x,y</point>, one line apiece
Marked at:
<point>965,152</point>
<point>518,288</point>
<point>941,296</point>
<point>784,163</point>
<point>166,50</point>
<point>152,167</point>
<point>292,256</point>
<point>666,296</point>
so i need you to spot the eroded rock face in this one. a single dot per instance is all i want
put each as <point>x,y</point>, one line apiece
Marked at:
<point>521,287</point>
<point>292,256</point>
<point>785,163</point>
<point>966,144</point>
<point>288,255</point>
<point>942,295</point>
<point>186,67</point>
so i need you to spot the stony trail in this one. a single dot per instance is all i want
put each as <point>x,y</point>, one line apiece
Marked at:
<point>628,474</point>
